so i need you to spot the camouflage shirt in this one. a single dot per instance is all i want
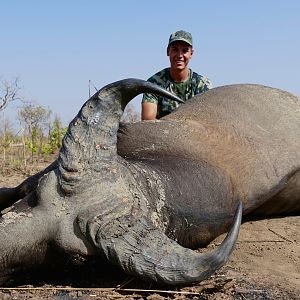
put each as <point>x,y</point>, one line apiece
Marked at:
<point>194,85</point>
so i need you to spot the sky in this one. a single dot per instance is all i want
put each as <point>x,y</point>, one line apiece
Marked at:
<point>56,48</point>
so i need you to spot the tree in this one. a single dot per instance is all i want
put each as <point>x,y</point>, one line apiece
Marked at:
<point>36,120</point>
<point>9,92</point>
<point>130,115</point>
<point>56,134</point>
<point>34,116</point>
<point>6,127</point>
<point>6,137</point>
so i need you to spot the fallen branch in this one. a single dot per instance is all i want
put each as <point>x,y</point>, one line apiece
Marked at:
<point>278,234</point>
<point>125,282</point>
<point>96,290</point>
<point>158,291</point>
<point>256,241</point>
<point>261,241</point>
<point>55,289</point>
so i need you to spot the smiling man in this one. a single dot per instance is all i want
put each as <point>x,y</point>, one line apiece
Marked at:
<point>178,78</point>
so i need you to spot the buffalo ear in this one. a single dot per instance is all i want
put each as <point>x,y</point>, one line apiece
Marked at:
<point>9,196</point>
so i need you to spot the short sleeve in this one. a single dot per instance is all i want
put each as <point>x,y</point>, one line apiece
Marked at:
<point>149,98</point>
<point>203,85</point>
<point>208,84</point>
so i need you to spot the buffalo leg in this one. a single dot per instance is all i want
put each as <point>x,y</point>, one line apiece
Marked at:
<point>285,202</point>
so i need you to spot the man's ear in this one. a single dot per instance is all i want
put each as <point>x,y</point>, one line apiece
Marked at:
<point>192,51</point>
<point>168,49</point>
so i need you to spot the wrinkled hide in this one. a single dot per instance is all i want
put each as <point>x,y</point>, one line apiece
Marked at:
<point>249,133</point>
<point>144,198</point>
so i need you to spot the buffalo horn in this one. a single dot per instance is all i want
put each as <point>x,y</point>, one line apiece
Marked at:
<point>92,135</point>
<point>143,250</point>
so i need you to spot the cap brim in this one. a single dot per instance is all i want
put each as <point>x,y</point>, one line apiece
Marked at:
<point>181,40</point>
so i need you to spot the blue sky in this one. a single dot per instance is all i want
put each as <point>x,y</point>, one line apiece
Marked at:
<point>56,47</point>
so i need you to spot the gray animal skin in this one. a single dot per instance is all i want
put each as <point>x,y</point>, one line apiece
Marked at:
<point>144,195</point>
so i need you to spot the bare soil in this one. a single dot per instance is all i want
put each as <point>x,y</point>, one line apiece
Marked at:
<point>264,265</point>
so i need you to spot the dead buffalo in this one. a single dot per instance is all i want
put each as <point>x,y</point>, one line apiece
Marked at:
<point>143,195</point>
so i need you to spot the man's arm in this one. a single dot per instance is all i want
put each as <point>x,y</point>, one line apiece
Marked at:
<point>149,111</point>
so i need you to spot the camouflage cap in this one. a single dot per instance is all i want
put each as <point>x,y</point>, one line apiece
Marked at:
<point>181,36</point>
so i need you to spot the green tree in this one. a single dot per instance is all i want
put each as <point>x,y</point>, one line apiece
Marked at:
<point>6,136</point>
<point>56,134</point>
<point>36,119</point>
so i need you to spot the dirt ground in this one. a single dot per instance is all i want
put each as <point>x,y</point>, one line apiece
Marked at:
<point>264,265</point>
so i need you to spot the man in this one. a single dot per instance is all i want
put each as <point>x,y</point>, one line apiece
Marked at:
<point>178,79</point>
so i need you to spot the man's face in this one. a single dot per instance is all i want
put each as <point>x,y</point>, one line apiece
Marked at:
<point>179,54</point>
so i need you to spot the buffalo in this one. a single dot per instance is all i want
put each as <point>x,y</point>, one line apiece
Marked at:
<point>143,196</point>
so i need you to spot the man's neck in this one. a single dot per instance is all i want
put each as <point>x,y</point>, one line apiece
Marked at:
<point>179,75</point>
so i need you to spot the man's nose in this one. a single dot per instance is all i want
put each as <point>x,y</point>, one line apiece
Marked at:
<point>180,53</point>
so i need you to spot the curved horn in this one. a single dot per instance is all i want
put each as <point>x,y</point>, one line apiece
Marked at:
<point>92,135</point>
<point>141,249</point>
